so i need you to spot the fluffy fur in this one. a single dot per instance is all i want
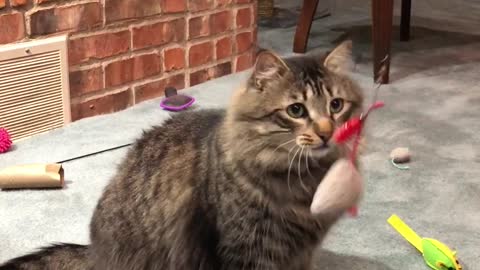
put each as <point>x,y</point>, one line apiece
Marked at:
<point>215,189</point>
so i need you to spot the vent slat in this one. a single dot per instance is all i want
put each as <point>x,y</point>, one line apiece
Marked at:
<point>14,104</point>
<point>46,112</point>
<point>47,87</point>
<point>29,64</point>
<point>32,104</point>
<point>15,61</point>
<point>33,92</point>
<point>39,125</point>
<point>23,126</point>
<point>29,87</point>
<point>26,71</point>
<point>13,80</point>
<point>19,129</point>
<point>41,128</point>
<point>28,107</point>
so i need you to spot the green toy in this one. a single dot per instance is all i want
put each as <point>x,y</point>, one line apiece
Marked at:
<point>436,254</point>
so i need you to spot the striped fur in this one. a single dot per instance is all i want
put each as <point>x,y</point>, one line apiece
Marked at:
<point>215,189</point>
<point>55,257</point>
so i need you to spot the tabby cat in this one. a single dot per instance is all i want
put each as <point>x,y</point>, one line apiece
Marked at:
<point>216,189</point>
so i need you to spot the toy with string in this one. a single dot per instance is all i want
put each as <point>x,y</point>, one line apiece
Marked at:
<point>342,186</point>
<point>352,130</point>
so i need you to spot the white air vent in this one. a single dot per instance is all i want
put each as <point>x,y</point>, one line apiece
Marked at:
<point>34,87</point>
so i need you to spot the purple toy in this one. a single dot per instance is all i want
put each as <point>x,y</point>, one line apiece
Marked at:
<point>175,102</point>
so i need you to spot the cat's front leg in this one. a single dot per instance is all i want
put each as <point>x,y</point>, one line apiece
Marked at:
<point>254,262</point>
<point>304,262</point>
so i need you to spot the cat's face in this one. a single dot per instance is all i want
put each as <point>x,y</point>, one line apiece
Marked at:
<point>294,105</point>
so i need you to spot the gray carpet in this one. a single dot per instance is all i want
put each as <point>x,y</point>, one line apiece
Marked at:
<point>432,108</point>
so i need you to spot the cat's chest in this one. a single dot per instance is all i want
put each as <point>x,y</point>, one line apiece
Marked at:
<point>274,241</point>
<point>266,228</point>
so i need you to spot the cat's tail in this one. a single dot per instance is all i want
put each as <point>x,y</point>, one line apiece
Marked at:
<point>55,257</point>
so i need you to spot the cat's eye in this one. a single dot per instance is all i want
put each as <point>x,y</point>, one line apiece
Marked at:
<point>336,105</point>
<point>297,110</point>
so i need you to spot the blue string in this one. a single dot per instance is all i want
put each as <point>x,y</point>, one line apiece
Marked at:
<point>399,166</point>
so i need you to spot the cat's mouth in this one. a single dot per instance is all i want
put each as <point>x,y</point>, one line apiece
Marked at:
<point>320,147</point>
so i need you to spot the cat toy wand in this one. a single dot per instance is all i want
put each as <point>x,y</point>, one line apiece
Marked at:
<point>351,128</point>
<point>354,127</point>
<point>342,186</point>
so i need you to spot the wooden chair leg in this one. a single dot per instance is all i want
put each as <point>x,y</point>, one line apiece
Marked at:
<point>405,20</point>
<point>304,24</point>
<point>382,17</point>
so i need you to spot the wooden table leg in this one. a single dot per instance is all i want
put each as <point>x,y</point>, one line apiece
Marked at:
<point>405,20</point>
<point>304,24</point>
<point>382,17</point>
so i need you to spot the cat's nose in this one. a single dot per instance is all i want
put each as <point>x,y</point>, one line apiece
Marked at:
<point>324,129</point>
<point>324,138</point>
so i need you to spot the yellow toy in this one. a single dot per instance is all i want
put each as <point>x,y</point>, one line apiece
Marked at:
<point>436,254</point>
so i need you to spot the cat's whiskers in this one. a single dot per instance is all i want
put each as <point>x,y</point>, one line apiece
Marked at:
<point>233,217</point>
<point>300,169</point>
<point>285,143</point>
<point>290,151</point>
<point>290,168</point>
<point>309,152</point>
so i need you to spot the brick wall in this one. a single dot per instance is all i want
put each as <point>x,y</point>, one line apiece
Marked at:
<point>122,52</point>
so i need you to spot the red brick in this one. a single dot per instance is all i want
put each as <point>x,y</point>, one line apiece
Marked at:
<point>207,74</point>
<point>116,10</point>
<point>244,61</point>
<point>200,76</point>
<point>200,54</point>
<point>244,18</point>
<point>16,3</point>
<point>222,69</point>
<point>12,27</point>
<point>199,5</point>
<point>2,4</point>
<point>72,18</point>
<point>174,59</point>
<point>102,105</point>
<point>244,42</point>
<point>221,22</point>
<point>98,46</point>
<point>174,6</point>
<point>223,3</point>
<point>86,81</point>
<point>157,88</point>
<point>124,71</point>
<point>158,34</point>
<point>255,14</point>
<point>223,48</point>
<point>198,27</point>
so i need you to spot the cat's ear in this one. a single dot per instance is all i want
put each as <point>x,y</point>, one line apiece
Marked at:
<point>340,60</point>
<point>267,66</point>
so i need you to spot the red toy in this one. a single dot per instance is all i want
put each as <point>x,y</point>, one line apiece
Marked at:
<point>5,141</point>
<point>342,185</point>
<point>352,128</point>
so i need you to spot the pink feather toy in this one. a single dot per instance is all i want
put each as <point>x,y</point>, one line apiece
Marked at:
<point>5,141</point>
